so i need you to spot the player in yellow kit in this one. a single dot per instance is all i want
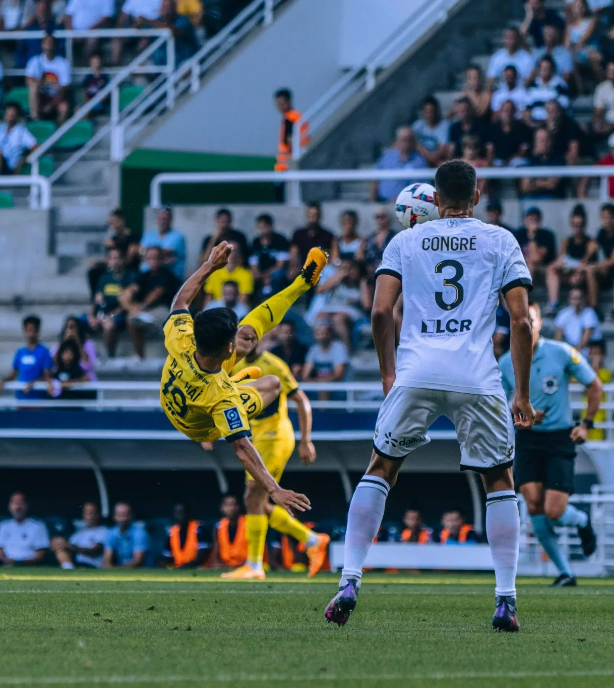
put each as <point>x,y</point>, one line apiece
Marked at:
<point>273,437</point>
<point>196,392</point>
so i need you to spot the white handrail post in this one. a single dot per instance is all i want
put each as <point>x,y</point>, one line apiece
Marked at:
<point>34,197</point>
<point>69,50</point>
<point>195,77</point>
<point>370,77</point>
<point>268,12</point>
<point>604,189</point>
<point>116,129</point>
<point>294,197</point>
<point>170,68</point>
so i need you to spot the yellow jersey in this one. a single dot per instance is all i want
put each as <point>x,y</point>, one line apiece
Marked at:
<point>597,434</point>
<point>204,405</point>
<point>241,276</point>
<point>275,416</point>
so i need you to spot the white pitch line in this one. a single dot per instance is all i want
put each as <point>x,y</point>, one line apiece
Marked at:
<point>280,678</point>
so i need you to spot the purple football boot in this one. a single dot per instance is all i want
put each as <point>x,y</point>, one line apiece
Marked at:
<point>342,605</point>
<point>505,615</point>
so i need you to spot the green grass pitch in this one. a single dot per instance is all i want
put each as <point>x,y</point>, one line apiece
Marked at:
<point>188,629</point>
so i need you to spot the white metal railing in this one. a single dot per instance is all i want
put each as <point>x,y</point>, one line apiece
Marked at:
<point>294,178</point>
<point>188,77</point>
<point>412,32</point>
<point>40,188</point>
<point>163,40</point>
<point>70,36</point>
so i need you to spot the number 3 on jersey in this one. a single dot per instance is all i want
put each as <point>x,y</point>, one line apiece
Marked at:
<point>453,281</point>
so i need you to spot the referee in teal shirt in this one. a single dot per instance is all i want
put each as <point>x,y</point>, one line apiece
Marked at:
<point>544,463</point>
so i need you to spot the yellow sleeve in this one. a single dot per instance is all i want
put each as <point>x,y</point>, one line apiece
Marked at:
<point>288,381</point>
<point>230,418</point>
<point>179,332</point>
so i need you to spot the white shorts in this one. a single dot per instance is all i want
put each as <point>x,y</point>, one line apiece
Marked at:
<point>483,425</point>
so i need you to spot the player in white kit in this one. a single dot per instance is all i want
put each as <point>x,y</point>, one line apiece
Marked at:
<point>450,272</point>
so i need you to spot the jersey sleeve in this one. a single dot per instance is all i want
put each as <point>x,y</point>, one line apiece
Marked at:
<point>578,367</point>
<point>230,418</point>
<point>515,270</point>
<point>178,332</point>
<point>391,260</point>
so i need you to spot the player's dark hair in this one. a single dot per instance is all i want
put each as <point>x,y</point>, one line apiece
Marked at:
<point>266,218</point>
<point>284,93</point>
<point>456,182</point>
<point>214,330</point>
<point>32,320</point>
<point>224,211</point>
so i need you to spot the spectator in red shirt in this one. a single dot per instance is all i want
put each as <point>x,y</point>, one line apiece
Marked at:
<point>609,160</point>
<point>309,236</point>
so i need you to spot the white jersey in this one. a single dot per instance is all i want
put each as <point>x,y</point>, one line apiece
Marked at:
<point>452,271</point>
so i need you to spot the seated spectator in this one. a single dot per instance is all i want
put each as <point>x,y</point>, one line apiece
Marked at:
<point>455,531</point>
<point>494,214</point>
<point>348,299</point>
<point>232,272</point>
<point>128,544</point>
<point>183,33</point>
<point>169,241</point>
<point>43,20</point>
<point>269,257</point>
<point>561,56</point>
<point>537,243</point>
<point>74,329</point>
<point>23,541</point>
<point>542,156</point>
<point>466,124</point>
<point>601,274</point>
<point>415,530</point>
<point>32,363</point>
<point>511,88</point>
<point>477,93</point>
<point>95,82</point>
<point>565,133</point>
<point>229,540</point>
<point>85,547</point>
<point>596,357</point>
<point>350,244</point>
<point>16,142</point>
<point>375,244</point>
<point>580,38</point>
<point>473,153</point>
<point>501,337</point>
<point>327,360</point>
<point>187,545</point>
<point>401,156</point>
<point>307,237</point>
<point>108,315</point>
<point>578,324</point>
<point>193,10</point>
<point>431,132</point>
<point>15,14</point>
<point>547,86</point>
<point>509,139</point>
<point>84,15</point>
<point>224,231</point>
<point>537,17</point>
<point>67,372</point>
<point>603,103</point>
<point>134,13</point>
<point>230,299</point>
<point>48,80</point>
<point>289,349</point>
<point>577,253</point>
<point>511,54</point>
<point>148,300</point>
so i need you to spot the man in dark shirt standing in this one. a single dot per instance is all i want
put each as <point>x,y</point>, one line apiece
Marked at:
<point>543,156</point>
<point>224,231</point>
<point>149,300</point>
<point>537,16</point>
<point>290,350</point>
<point>308,237</point>
<point>537,243</point>
<point>269,258</point>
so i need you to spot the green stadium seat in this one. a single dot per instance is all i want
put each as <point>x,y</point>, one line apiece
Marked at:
<point>78,135</point>
<point>6,200</point>
<point>41,130</point>
<point>19,95</point>
<point>127,94</point>
<point>46,166</point>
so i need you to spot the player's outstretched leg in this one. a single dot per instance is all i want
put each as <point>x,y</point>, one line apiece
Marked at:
<point>271,312</point>
<point>316,543</point>
<point>576,518</point>
<point>364,519</point>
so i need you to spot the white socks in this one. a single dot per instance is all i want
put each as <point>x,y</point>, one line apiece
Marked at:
<point>503,532</point>
<point>364,519</point>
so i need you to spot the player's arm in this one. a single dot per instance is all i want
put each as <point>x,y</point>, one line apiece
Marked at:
<point>579,368</point>
<point>249,457</point>
<point>306,450</point>
<point>521,348</point>
<point>387,290</point>
<point>217,259</point>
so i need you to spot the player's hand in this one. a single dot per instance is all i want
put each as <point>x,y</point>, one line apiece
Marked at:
<point>289,500</point>
<point>579,434</point>
<point>219,256</point>
<point>524,415</point>
<point>539,416</point>
<point>387,383</point>
<point>307,452</point>
<point>207,446</point>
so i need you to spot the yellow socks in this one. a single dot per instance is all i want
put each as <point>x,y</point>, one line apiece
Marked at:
<point>271,312</point>
<point>255,531</point>
<point>281,520</point>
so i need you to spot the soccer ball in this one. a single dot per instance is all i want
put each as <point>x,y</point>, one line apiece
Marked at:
<point>416,204</point>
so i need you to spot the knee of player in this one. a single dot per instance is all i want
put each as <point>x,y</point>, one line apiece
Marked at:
<point>554,511</point>
<point>535,508</point>
<point>273,384</point>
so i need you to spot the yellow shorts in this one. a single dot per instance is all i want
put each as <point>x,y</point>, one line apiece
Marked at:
<point>251,400</point>
<point>275,446</point>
